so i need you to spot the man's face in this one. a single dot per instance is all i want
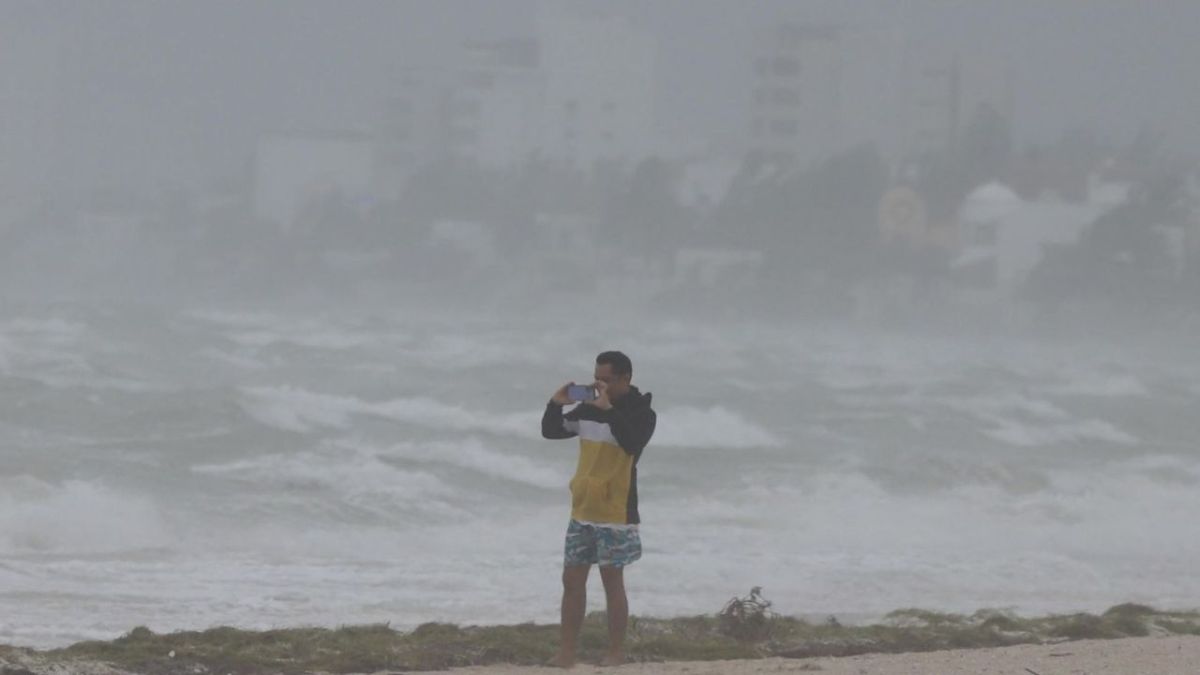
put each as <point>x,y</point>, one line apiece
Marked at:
<point>618,385</point>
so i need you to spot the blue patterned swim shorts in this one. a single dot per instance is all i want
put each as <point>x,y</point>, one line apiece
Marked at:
<point>598,545</point>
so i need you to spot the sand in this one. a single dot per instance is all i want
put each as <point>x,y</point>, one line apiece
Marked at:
<point>1167,655</point>
<point>1173,655</point>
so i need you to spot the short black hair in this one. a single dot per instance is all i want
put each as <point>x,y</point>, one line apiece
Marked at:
<point>620,364</point>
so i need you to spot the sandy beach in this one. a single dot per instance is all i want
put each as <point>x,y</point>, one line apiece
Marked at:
<point>1158,655</point>
<point>1173,655</point>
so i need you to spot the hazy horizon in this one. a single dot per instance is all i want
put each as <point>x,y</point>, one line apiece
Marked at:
<point>158,89</point>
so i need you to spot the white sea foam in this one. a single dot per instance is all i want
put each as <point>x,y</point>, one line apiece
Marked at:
<point>475,454</point>
<point>296,409</point>
<point>236,319</point>
<point>316,337</point>
<point>237,359</point>
<point>404,483</point>
<point>340,477</point>
<point>823,542</point>
<point>429,412</point>
<point>1022,421</point>
<point>1021,434</point>
<point>353,519</point>
<point>463,349</point>
<point>52,365</point>
<point>261,329</point>
<point>1089,383</point>
<point>992,407</point>
<point>76,517</point>
<point>715,427</point>
<point>51,331</point>
<point>851,361</point>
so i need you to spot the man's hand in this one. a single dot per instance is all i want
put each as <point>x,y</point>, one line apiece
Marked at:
<point>601,401</point>
<point>560,396</point>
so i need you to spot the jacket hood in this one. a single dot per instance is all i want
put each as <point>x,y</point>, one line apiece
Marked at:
<point>635,398</point>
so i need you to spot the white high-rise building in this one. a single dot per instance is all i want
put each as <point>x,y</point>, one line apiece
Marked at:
<point>496,108</point>
<point>582,90</point>
<point>600,87</point>
<point>412,130</point>
<point>819,90</point>
<point>793,108</point>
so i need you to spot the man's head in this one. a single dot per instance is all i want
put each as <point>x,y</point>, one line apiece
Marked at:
<point>614,369</point>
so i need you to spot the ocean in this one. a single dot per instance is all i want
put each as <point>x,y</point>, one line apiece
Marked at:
<point>184,469</point>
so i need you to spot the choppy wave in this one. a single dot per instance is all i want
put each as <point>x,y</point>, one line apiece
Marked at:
<point>475,455</point>
<point>1024,421</point>
<point>1086,539</point>
<point>715,427</point>
<point>394,481</point>
<point>334,480</point>
<point>300,410</point>
<point>76,516</point>
<point>1030,436</point>
<point>292,475</point>
<point>1089,383</point>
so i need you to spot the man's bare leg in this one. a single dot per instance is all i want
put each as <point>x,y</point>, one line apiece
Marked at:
<point>618,614</point>
<point>574,603</point>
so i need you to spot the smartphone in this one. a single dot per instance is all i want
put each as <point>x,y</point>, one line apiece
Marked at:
<point>581,392</point>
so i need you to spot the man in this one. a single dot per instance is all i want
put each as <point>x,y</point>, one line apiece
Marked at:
<point>613,429</point>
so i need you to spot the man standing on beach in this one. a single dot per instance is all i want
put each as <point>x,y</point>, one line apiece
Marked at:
<point>613,429</point>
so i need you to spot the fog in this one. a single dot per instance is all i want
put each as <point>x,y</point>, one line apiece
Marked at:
<point>223,151</point>
<point>928,270</point>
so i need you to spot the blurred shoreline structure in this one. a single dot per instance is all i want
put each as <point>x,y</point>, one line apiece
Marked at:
<point>535,167</point>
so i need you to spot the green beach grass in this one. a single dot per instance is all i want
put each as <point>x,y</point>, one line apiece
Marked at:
<point>754,632</point>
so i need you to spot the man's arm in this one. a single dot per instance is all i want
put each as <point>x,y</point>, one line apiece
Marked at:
<point>553,424</point>
<point>632,429</point>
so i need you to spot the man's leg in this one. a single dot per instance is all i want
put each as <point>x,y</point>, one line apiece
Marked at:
<point>618,613</point>
<point>574,603</point>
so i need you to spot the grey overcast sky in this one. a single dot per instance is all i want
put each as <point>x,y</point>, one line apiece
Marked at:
<point>204,77</point>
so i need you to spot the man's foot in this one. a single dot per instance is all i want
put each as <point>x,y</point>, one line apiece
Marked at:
<point>561,660</point>
<point>613,660</point>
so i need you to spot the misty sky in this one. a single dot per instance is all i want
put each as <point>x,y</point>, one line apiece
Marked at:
<point>152,82</point>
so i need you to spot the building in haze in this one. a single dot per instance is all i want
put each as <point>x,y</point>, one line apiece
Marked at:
<point>495,105</point>
<point>411,130</point>
<point>818,90</point>
<point>580,91</point>
<point>600,83</point>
